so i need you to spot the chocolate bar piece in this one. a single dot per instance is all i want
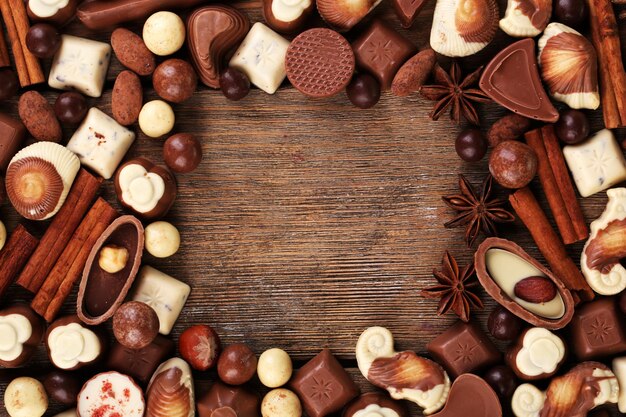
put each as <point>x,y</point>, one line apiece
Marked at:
<point>140,364</point>
<point>597,330</point>
<point>12,134</point>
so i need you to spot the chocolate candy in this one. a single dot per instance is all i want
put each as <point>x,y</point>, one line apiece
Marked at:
<point>211,32</point>
<point>363,91</point>
<point>597,330</point>
<point>140,363</point>
<point>21,329</point>
<point>135,325</point>
<point>70,108</point>
<point>471,396</point>
<point>319,62</point>
<point>171,391</point>
<point>9,85</point>
<point>43,40</point>
<point>622,302</point>
<point>200,346</point>
<point>55,12</point>
<point>344,15</point>
<point>223,400</point>
<point>471,145</point>
<point>375,402</point>
<point>235,84</point>
<point>381,51</point>
<point>511,79</point>
<point>132,52</point>
<point>110,270</point>
<point>174,80</point>
<point>502,380</point>
<point>72,345</point>
<point>25,397</point>
<point>513,164</point>
<point>572,127</point>
<point>572,13</point>
<point>182,152</point>
<point>237,364</point>
<point>62,387</point>
<point>110,394</point>
<point>287,16</point>
<point>12,133</point>
<point>463,348</point>
<point>407,10</point>
<point>504,325</point>
<point>537,354</point>
<point>323,385</point>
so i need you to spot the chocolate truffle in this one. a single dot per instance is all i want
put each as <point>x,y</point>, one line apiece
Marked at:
<point>174,80</point>
<point>182,152</point>
<point>9,84</point>
<point>235,84</point>
<point>513,164</point>
<point>43,40</point>
<point>363,91</point>
<point>70,107</point>
<point>471,145</point>
<point>572,127</point>
<point>200,346</point>
<point>62,387</point>
<point>135,325</point>
<point>237,364</point>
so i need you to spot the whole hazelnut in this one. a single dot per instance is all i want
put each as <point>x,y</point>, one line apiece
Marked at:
<point>281,403</point>
<point>513,164</point>
<point>113,258</point>
<point>135,325</point>
<point>237,364</point>
<point>162,239</point>
<point>25,397</point>
<point>200,346</point>
<point>274,368</point>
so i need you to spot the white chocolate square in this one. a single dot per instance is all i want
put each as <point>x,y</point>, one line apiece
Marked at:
<point>80,64</point>
<point>261,56</point>
<point>166,295</point>
<point>101,143</point>
<point>596,164</point>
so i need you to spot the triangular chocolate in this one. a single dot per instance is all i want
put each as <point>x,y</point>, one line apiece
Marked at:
<point>512,80</point>
<point>407,10</point>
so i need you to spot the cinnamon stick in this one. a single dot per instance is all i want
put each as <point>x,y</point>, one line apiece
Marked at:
<point>14,255</point>
<point>549,243</point>
<point>69,266</point>
<point>534,138</point>
<point>5,61</point>
<point>60,231</point>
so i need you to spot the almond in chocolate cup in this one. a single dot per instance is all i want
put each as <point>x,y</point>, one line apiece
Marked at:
<point>110,270</point>
<point>522,285</point>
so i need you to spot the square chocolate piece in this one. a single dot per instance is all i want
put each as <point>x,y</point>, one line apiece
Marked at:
<point>407,10</point>
<point>463,348</point>
<point>596,330</point>
<point>323,385</point>
<point>12,134</point>
<point>381,51</point>
<point>141,363</point>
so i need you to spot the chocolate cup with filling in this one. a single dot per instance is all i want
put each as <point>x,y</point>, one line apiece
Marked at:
<point>497,256</point>
<point>101,292</point>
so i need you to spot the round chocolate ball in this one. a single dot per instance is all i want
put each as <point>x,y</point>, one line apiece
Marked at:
<point>63,387</point>
<point>9,84</point>
<point>504,325</point>
<point>503,381</point>
<point>572,127</point>
<point>471,145</point>
<point>237,364</point>
<point>572,13</point>
<point>135,325</point>
<point>182,152</point>
<point>235,84</point>
<point>70,108</point>
<point>174,80</point>
<point>43,40</point>
<point>363,91</point>
<point>513,164</point>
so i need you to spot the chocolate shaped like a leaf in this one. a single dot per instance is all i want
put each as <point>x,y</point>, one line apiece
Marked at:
<point>405,375</point>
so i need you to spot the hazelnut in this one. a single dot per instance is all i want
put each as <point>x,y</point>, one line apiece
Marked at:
<point>281,403</point>
<point>162,239</point>
<point>513,164</point>
<point>25,397</point>
<point>200,346</point>
<point>237,364</point>
<point>113,258</point>
<point>135,325</point>
<point>274,368</point>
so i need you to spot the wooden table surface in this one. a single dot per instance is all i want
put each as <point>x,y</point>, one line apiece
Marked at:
<point>310,220</point>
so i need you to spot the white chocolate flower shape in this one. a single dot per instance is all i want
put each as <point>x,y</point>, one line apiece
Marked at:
<point>541,352</point>
<point>46,8</point>
<point>141,189</point>
<point>289,10</point>
<point>73,344</point>
<point>375,410</point>
<point>15,330</point>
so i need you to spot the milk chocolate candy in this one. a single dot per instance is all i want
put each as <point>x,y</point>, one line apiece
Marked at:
<point>110,270</point>
<point>227,401</point>
<point>407,10</point>
<point>72,345</point>
<point>471,396</point>
<point>597,330</point>
<point>55,12</point>
<point>140,363</point>
<point>21,330</point>
<point>512,80</point>
<point>286,16</point>
<point>375,403</point>
<point>12,134</point>
<point>537,354</point>
<point>171,391</point>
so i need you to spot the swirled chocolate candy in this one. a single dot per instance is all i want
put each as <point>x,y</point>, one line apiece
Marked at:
<point>171,391</point>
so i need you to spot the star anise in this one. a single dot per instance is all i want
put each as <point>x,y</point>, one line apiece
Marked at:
<point>453,92</point>
<point>455,288</point>
<point>477,212</point>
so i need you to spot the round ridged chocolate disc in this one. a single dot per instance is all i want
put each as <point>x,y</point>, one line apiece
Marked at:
<point>319,63</point>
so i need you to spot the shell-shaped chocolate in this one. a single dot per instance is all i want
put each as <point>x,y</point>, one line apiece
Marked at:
<point>211,32</point>
<point>101,292</point>
<point>343,15</point>
<point>170,393</point>
<point>526,18</point>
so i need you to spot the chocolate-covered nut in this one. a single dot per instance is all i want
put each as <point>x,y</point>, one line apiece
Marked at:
<point>72,345</point>
<point>503,381</point>
<point>174,80</point>
<point>376,403</point>
<point>471,145</point>
<point>363,91</point>
<point>182,152</point>
<point>43,40</point>
<point>572,127</point>
<point>62,387</point>
<point>135,325</point>
<point>127,98</point>
<point>21,330</point>
<point>132,52</point>
<point>164,33</point>
<point>70,107</point>
<point>55,12</point>
<point>156,118</point>
<point>200,346</point>
<point>25,397</point>
<point>38,117</point>
<point>237,364</point>
<point>9,85</point>
<point>281,403</point>
<point>504,325</point>
<point>274,368</point>
<point>234,84</point>
<point>513,164</point>
<point>162,239</point>
<point>572,13</point>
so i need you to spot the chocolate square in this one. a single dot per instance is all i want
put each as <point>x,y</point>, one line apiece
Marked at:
<point>323,385</point>
<point>463,348</point>
<point>140,364</point>
<point>12,133</point>
<point>381,51</point>
<point>596,330</point>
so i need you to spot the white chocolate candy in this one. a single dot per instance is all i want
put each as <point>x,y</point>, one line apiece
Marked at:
<point>15,330</point>
<point>164,33</point>
<point>274,368</point>
<point>518,24</point>
<point>142,190</point>
<point>25,397</point>
<point>3,235</point>
<point>542,351</point>
<point>80,64</point>
<point>156,118</point>
<point>115,393</point>
<point>73,344</point>
<point>619,369</point>
<point>596,164</point>
<point>261,56</point>
<point>101,143</point>
<point>289,10</point>
<point>166,295</point>
<point>46,8</point>
<point>375,410</point>
<point>281,403</point>
<point>162,239</point>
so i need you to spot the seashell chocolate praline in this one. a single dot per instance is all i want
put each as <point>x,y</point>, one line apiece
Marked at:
<point>171,392</point>
<point>519,283</point>
<point>110,270</point>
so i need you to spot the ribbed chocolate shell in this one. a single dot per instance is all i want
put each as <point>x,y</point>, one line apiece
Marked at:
<point>343,15</point>
<point>406,370</point>
<point>23,176</point>
<point>168,397</point>
<point>476,20</point>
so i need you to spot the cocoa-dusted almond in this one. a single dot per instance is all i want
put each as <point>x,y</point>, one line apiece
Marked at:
<point>535,290</point>
<point>509,127</point>
<point>132,52</point>
<point>38,117</point>
<point>412,75</point>
<point>127,98</point>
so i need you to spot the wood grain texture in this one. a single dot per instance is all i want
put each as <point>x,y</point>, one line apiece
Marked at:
<point>310,220</point>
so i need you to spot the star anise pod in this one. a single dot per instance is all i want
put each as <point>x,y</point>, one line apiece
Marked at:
<point>453,92</point>
<point>455,288</point>
<point>477,212</point>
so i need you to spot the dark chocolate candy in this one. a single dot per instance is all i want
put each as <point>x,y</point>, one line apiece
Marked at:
<point>381,51</point>
<point>463,348</point>
<point>407,10</point>
<point>377,402</point>
<point>182,152</point>
<point>62,387</point>
<point>13,327</point>
<point>12,133</point>
<point>283,26</point>
<point>323,386</point>
<point>222,397</point>
<point>141,363</point>
<point>512,80</point>
<point>71,344</point>
<point>597,330</point>
<point>60,17</point>
<point>471,396</point>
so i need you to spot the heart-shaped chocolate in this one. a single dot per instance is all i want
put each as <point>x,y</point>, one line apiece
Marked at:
<point>471,396</point>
